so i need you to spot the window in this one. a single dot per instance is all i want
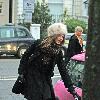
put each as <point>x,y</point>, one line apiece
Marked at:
<point>56,8</point>
<point>0,7</point>
<point>76,8</point>
<point>21,33</point>
<point>6,33</point>
<point>85,8</point>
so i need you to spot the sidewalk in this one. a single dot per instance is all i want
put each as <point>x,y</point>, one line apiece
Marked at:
<point>6,85</point>
<point>6,92</point>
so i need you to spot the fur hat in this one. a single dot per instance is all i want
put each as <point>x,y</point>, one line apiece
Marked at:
<point>57,28</point>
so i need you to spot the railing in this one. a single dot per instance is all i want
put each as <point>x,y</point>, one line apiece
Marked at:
<point>59,18</point>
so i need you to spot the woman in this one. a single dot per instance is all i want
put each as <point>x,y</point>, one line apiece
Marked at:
<point>38,62</point>
<point>75,45</point>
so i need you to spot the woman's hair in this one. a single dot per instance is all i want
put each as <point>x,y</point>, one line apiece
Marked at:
<point>78,29</point>
<point>47,41</point>
<point>53,31</point>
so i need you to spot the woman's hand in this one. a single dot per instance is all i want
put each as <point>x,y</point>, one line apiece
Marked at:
<point>71,89</point>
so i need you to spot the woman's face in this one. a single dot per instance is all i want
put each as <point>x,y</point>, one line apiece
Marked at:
<point>59,39</point>
<point>79,33</point>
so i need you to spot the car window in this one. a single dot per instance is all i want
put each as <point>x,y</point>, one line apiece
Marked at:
<point>68,35</point>
<point>21,32</point>
<point>6,32</point>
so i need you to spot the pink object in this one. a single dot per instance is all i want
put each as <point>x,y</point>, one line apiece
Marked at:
<point>62,93</point>
<point>79,57</point>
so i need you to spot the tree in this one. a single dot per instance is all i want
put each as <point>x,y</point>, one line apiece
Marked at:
<point>72,22</point>
<point>41,16</point>
<point>91,81</point>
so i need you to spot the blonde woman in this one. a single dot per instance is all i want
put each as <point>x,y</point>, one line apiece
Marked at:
<point>75,45</point>
<point>38,62</point>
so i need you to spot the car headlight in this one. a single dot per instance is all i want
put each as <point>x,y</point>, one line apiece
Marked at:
<point>14,48</point>
<point>8,46</point>
<point>11,47</point>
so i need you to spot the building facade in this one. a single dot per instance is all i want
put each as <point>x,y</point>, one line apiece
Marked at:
<point>8,12</point>
<point>77,8</point>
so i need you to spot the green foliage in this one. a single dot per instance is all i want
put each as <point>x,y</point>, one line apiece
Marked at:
<point>41,16</point>
<point>65,16</point>
<point>72,23</point>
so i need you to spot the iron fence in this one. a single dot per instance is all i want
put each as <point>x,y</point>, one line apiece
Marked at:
<point>59,18</point>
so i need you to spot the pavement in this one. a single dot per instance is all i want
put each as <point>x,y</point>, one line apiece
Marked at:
<point>6,85</point>
<point>6,92</point>
<point>8,76</point>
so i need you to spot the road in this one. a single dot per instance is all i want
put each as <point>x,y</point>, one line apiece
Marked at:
<point>8,75</point>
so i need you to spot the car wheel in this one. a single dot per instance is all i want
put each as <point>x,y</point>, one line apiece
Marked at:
<point>21,51</point>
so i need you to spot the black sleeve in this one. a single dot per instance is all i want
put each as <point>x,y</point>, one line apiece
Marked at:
<point>24,60</point>
<point>72,46</point>
<point>63,70</point>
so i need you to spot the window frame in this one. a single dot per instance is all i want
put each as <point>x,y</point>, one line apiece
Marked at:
<point>1,7</point>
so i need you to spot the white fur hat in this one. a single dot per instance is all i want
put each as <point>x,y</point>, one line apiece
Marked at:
<point>57,28</point>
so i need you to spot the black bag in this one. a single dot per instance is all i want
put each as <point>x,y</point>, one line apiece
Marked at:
<point>19,86</point>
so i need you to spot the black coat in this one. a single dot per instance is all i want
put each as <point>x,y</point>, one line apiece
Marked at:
<point>37,66</point>
<point>74,47</point>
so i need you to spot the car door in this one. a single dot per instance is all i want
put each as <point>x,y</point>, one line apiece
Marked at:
<point>24,40</point>
<point>7,40</point>
<point>23,36</point>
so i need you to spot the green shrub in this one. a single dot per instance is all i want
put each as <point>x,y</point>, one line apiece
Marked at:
<point>72,23</point>
<point>41,16</point>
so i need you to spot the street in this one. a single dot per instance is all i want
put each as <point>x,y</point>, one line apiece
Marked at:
<point>8,75</point>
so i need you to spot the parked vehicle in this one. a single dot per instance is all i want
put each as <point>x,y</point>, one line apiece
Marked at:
<point>14,40</point>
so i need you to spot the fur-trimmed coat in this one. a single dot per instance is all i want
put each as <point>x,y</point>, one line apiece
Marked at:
<point>37,66</point>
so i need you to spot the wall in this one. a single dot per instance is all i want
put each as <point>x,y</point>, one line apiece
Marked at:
<point>14,11</point>
<point>74,7</point>
<point>4,16</point>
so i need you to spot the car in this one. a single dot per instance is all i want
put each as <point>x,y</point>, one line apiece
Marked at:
<point>14,40</point>
<point>68,35</point>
